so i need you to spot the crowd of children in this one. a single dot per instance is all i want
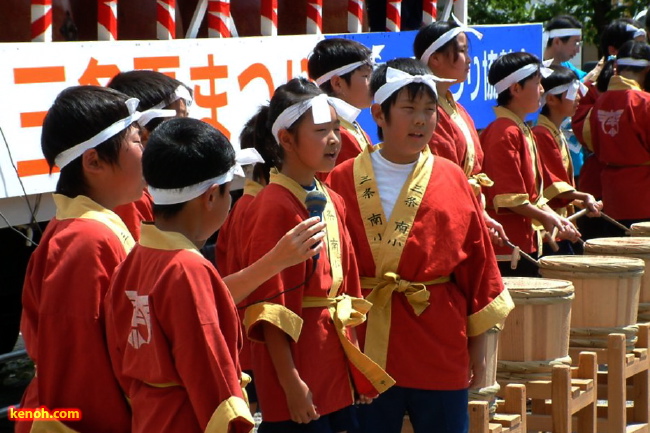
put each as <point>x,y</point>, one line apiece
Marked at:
<point>346,321</point>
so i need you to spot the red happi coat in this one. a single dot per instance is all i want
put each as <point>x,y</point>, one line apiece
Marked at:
<point>621,140</point>
<point>589,181</point>
<point>556,163</point>
<point>63,319</point>
<point>174,337</point>
<point>448,238</point>
<point>133,214</point>
<point>511,161</point>
<point>317,350</point>
<point>449,141</point>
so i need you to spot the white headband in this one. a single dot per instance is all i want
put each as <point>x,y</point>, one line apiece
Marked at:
<point>637,31</point>
<point>522,73</point>
<point>563,33</point>
<point>396,79</point>
<point>628,61</point>
<point>187,193</point>
<point>181,92</point>
<point>448,36</point>
<point>571,90</point>
<point>67,156</point>
<point>320,111</point>
<point>338,72</point>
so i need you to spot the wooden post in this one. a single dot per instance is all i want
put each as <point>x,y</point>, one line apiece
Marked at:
<point>166,19</point>
<point>393,15</point>
<point>315,17</point>
<point>106,20</point>
<point>429,11</point>
<point>269,17</point>
<point>355,16</point>
<point>41,28</point>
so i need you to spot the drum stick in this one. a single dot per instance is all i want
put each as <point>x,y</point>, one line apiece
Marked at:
<point>572,218</point>
<point>613,221</point>
<point>523,254</point>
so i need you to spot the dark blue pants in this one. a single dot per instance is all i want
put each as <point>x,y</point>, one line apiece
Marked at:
<point>429,411</point>
<point>344,420</point>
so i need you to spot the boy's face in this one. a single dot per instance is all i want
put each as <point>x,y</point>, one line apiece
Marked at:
<point>410,127</point>
<point>530,94</point>
<point>357,93</point>
<point>127,173</point>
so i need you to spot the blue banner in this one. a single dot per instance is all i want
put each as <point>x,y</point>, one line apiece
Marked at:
<point>475,94</point>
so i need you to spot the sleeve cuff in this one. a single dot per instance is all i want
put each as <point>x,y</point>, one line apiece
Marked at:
<point>556,189</point>
<point>509,200</point>
<point>230,410</point>
<point>492,314</point>
<point>275,314</point>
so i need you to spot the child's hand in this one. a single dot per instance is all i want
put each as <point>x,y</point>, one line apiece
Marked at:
<point>301,406</point>
<point>497,234</point>
<point>296,245</point>
<point>594,206</point>
<point>364,399</point>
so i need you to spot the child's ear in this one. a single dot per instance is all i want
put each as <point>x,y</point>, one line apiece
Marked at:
<point>287,140</point>
<point>337,84</point>
<point>516,89</point>
<point>91,162</point>
<point>378,115</point>
<point>210,196</point>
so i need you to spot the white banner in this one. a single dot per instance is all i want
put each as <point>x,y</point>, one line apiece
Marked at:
<point>230,79</point>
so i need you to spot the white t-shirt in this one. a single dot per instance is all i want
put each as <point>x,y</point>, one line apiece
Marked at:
<point>390,180</point>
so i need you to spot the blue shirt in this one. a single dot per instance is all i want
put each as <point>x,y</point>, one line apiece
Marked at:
<point>581,74</point>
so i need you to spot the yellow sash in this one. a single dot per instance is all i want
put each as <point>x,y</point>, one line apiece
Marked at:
<point>387,240</point>
<point>475,180</point>
<point>563,147</point>
<point>332,238</point>
<point>347,311</point>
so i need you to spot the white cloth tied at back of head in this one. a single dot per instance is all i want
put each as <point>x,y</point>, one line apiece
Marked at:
<point>320,111</point>
<point>637,31</point>
<point>629,61</point>
<point>187,193</point>
<point>67,156</point>
<point>563,33</point>
<point>446,37</point>
<point>396,79</point>
<point>181,92</point>
<point>523,72</point>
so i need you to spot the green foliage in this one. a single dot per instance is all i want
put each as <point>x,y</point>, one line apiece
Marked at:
<point>593,14</point>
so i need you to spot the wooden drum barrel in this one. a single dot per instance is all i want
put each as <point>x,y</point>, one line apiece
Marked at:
<point>606,296</point>
<point>640,229</point>
<point>536,333</point>
<point>637,247</point>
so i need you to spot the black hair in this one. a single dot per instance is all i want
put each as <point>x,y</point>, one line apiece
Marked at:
<point>559,77</point>
<point>77,114</point>
<point>183,152</point>
<point>410,66</point>
<point>635,50</point>
<point>428,34</point>
<point>254,135</point>
<point>150,87</point>
<point>293,92</point>
<point>330,54</point>
<point>614,35</point>
<point>562,22</point>
<point>506,65</point>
